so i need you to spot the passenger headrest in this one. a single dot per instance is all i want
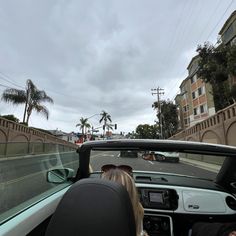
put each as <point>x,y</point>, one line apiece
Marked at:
<point>94,207</point>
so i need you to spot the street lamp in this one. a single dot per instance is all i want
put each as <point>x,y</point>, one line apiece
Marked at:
<point>91,123</point>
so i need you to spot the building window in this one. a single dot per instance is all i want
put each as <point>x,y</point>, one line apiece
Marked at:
<point>200,91</point>
<point>202,109</point>
<point>195,111</point>
<point>187,121</point>
<point>186,108</point>
<point>193,95</point>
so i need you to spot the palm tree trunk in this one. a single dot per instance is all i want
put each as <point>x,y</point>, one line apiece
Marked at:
<point>26,103</point>
<point>25,112</point>
<point>29,111</point>
<point>27,119</point>
<point>104,130</point>
<point>83,134</point>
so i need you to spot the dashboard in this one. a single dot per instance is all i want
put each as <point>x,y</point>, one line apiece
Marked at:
<point>165,206</point>
<point>172,204</point>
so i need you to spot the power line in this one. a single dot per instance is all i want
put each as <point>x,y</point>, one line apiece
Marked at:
<point>2,85</point>
<point>206,39</point>
<point>9,80</point>
<point>220,19</point>
<point>209,19</point>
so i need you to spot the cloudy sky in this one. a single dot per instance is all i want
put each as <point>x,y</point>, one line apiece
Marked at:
<point>99,55</point>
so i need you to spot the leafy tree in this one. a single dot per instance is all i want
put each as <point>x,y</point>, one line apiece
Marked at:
<point>11,117</point>
<point>105,117</point>
<point>146,131</point>
<point>31,97</point>
<point>168,118</point>
<point>215,66</point>
<point>83,125</point>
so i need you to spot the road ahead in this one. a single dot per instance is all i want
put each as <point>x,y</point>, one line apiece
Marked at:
<point>25,178</point>
<point>101,158</point>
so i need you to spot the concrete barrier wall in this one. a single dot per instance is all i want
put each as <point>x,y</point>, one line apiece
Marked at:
<point>17,139</point>
<point>218,160</point>
<point>219,129</point>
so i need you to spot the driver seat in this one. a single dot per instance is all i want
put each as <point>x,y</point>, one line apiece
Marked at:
<point>93,207</point>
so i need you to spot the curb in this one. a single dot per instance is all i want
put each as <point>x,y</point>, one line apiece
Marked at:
<point>203,165</point>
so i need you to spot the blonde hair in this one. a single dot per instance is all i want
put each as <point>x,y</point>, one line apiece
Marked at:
<point>127,181</point>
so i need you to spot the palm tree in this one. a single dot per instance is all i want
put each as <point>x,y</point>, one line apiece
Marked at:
<point>31,97</point>
<point>83,125</point>
<point>104,118</point>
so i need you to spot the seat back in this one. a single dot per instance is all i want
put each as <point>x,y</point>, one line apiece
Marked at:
<point>93,207</point>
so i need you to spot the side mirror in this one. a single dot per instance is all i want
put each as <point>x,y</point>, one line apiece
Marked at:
<point>58,176</point>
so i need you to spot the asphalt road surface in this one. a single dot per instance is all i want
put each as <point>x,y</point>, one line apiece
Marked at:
<point>110,157</point>
<point>23,179</point>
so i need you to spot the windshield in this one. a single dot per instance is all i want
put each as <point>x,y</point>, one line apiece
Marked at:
<point>194,165</point>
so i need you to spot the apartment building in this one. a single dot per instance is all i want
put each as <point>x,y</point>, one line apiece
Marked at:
<point>228,37</point>
<point>195,101</point>
<point>228,31</point>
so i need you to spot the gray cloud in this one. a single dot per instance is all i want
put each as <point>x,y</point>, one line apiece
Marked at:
<point>102,55</point>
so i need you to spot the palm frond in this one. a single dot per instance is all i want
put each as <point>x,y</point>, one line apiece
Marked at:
<point>42,110</point>
<point>87,125</point>
<point>109,117</point>
<point>100,121</point>
<point>31,86</point>
<point>44,97</point>
<point>14,96</point>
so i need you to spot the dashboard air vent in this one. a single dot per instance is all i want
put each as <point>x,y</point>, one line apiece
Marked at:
<point>231,202</point>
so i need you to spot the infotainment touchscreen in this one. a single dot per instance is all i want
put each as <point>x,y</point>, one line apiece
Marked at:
<point>155,197</point>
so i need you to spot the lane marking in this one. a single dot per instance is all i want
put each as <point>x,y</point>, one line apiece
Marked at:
<point>151,162</point>
<point>97,155</point>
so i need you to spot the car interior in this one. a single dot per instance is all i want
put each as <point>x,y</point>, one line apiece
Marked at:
<point>172,203</point>
<point>86,210</point>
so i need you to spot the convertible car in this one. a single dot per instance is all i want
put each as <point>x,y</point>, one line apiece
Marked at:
<point>174,197</point>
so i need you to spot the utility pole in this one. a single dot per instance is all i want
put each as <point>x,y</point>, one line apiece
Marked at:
<point>159,91</point>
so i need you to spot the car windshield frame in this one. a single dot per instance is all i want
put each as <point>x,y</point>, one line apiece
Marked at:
<point>164,146</point>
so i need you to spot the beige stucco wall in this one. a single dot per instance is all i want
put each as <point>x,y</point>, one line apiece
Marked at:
<point>219,128</point>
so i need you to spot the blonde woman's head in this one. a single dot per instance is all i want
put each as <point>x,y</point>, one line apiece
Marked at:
<point>127,181</point>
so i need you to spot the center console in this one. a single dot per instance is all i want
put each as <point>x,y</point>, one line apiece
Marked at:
<point>162,199</point>
<point>154,200</point>
<point>160,225</point>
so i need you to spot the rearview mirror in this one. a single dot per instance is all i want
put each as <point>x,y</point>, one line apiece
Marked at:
<point>58,176</point>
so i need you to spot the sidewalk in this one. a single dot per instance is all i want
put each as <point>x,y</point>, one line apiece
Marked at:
<point>203,165</point>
